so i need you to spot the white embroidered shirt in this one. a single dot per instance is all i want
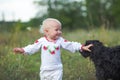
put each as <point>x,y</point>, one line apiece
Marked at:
<point>50,51</point>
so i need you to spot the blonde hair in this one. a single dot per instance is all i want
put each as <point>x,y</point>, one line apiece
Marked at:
<point>45,25</point>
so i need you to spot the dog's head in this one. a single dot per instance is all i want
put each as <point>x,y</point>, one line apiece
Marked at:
<point>95,49</point>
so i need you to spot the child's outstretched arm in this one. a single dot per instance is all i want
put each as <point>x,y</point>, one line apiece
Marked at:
<point>18,50</point>
<point>29,49</point>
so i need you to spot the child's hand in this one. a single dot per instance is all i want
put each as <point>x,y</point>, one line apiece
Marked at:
<point>86,48</point>
<point>18,50</point>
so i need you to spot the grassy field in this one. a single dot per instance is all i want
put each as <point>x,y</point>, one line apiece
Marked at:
<point>24,67</point>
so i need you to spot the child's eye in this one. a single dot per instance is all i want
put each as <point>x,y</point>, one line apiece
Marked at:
<point>56,30</point>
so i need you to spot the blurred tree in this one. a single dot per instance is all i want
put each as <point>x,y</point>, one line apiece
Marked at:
<point>34,22</point>
<point>74,14</point>
<point>115,11</point>
<point>83,13</point>
<point>69,12</point>
<point>98,12</point>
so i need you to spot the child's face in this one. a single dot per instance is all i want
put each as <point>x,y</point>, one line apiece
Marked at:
<point>54,31</point>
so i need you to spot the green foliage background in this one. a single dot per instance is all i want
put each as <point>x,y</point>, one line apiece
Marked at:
<point>73,14</point>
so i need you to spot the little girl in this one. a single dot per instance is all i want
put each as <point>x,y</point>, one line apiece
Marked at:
<point>50,45</point>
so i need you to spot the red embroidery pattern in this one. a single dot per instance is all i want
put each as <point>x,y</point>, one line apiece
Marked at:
<point>51,51</point>
<point>36,41</point>
<point>57,48</point>
<point>65,40</point>
<point>45,48</point>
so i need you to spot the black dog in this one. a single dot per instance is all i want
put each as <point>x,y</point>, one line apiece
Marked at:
<point>105,59</point>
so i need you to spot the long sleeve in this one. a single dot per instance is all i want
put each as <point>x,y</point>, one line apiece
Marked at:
<point>70,46</point>
<point>32,48</point>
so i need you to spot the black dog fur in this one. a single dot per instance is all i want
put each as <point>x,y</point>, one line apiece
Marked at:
<point>105,59</point>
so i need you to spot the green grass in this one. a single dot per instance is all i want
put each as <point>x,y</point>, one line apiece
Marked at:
<point>20,67</point>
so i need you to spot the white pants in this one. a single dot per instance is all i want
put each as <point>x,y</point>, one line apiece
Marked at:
<point>51,74</point>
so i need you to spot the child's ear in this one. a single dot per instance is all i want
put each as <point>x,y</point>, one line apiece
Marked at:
<point>45,30</point>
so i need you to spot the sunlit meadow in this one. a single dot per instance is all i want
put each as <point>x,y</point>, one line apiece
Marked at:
<point>26,67</point>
